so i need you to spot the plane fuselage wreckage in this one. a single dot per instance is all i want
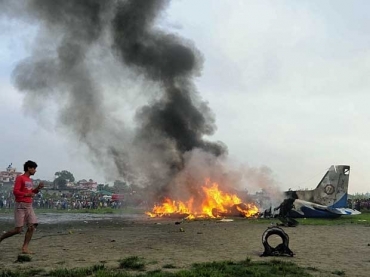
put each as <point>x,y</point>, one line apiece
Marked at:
<point>327,200</point>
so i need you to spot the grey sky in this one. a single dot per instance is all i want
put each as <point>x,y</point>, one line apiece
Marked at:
<point>287,81</point>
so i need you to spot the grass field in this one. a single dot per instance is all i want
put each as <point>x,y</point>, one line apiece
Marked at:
<point>135,266</point>
<point>362,219</point>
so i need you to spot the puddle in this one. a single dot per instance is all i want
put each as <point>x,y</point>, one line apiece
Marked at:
<point>52,218</point>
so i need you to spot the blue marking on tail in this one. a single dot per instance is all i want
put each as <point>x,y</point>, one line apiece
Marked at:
<point>341,203</point>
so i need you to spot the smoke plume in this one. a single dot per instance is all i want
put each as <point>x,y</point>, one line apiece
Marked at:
<point>77,43</point>
<point>90,53</point>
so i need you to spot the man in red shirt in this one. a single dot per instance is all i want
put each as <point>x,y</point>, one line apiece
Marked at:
<point>23,212</point>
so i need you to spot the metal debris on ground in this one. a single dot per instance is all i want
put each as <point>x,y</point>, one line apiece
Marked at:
<point>226,220</point>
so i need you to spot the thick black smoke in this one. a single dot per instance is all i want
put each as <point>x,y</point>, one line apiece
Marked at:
<point>171,62</point>
<point>60,69</point>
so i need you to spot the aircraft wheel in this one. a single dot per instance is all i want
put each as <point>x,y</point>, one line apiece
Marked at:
<point>280,250</point>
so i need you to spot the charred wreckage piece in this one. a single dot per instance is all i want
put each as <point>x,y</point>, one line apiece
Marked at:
<point>280,250</point>
<point>285,207</point>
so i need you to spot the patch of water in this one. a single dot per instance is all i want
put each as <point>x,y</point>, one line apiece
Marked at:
<point>53,218</point>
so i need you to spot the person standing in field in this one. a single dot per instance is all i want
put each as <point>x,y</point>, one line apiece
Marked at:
<point>23,212</point>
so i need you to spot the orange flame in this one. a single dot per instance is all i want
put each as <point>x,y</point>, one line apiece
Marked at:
<point>215,203</point>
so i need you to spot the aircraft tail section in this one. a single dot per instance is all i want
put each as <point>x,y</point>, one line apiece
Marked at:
<point>332,190</point>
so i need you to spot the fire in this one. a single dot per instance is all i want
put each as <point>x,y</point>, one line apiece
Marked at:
<point>213,203</point>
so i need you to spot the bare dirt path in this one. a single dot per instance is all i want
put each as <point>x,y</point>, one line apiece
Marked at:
<point>160,242</point>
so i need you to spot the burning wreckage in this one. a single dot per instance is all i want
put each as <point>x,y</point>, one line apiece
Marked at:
<point>209,201</point>
<point>212,202</point>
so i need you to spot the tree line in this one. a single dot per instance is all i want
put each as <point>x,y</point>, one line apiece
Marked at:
<point>63,177</point>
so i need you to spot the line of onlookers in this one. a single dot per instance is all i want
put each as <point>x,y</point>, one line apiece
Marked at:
<point>64,201</point>
<point>359,204</point>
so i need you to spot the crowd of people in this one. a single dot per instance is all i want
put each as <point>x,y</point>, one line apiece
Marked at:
<point>65,201</point>
<point>359,204</point>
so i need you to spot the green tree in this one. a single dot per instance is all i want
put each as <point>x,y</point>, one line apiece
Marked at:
<point>46,182</point>
<point>120,186</point>
<point>60,183</point>
<point>108,188</point>
<point>62,178</point>
<point>66,175</point>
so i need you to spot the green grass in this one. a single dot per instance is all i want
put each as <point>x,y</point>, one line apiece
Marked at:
<point>168,266</point>
<point>79,272</point>
<point>248,268</point>
<point>312,268</point>
<point>339,272</point>
<point>133,262</point>
<point>17,273</point>
<point>23,258</point>
<point>361,219</point>
<point>273,268</point>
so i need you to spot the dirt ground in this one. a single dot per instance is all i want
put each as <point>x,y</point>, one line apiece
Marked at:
<point>161,242</point>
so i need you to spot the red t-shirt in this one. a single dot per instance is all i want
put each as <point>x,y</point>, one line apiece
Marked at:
<point>23,184</point>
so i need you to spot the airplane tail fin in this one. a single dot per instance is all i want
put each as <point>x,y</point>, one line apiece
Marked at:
<point>332,190</point>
